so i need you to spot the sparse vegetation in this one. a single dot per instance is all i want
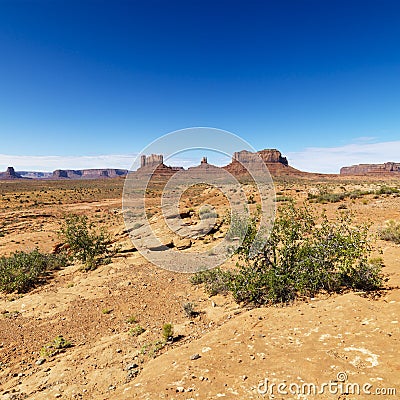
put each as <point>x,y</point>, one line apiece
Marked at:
<point>58,345</point>
<point>88,245</point>
<point>136,330</point>
<point>106,311</point>
<point>391,232</point>
<point>22,271</point>
<point>152,349</point>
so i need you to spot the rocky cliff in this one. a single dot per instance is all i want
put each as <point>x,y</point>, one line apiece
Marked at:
<point>267,155</point>
<point>88,173</point>
<point>371,169</point>
<point>273,159</point>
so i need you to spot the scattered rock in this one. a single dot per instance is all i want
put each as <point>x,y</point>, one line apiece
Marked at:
<point>182,244</point>
<point>131,366</point>
<point>40,361</point>
<point>195,356</point>
<point>219,235</point>
<point>126,247</point>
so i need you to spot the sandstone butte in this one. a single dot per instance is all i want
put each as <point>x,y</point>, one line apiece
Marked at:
<point>154,164</point>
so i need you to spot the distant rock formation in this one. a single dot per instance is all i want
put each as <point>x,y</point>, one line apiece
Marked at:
<point>154,165</point>
<point>204,166</point>
<point>9,174</point>
<point>88,173</point>
<point>371,169</point>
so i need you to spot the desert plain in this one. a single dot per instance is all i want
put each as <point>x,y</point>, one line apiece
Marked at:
<point>225,349</point>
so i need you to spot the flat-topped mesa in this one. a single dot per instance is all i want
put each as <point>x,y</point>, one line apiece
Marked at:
<point>88,173</point>
<point>371,169</point>
<point>267,155</point>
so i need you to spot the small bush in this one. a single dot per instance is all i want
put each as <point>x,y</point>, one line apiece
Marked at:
<point>168,332</point>
<point>58,345</point>
<point>189,310</point>
<point>136,330</point>
<point>391,232</point>
<point>86,243</point>
<point>132,319</point>
<point>22,271</point>
<point>207,212</point>
<point>106,311</point>
<point>298,258</point>
<point>302,258</point>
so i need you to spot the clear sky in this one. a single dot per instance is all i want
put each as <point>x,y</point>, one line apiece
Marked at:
<point>319,80</point>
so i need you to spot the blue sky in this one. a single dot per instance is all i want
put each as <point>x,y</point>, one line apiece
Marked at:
<point>319,80</point>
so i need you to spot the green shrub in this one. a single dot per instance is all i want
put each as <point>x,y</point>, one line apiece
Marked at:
<point>22,271</point>
<point>87,244</point>
<point>299,258</point>
<point>302,258</point>
<point>131,319</point>
<point>391,232</point>
<point>58,345</point>
<point>168,332</point>
<point>189,310</point>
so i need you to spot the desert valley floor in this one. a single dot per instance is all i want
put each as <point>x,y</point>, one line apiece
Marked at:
<point>226,351</point>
